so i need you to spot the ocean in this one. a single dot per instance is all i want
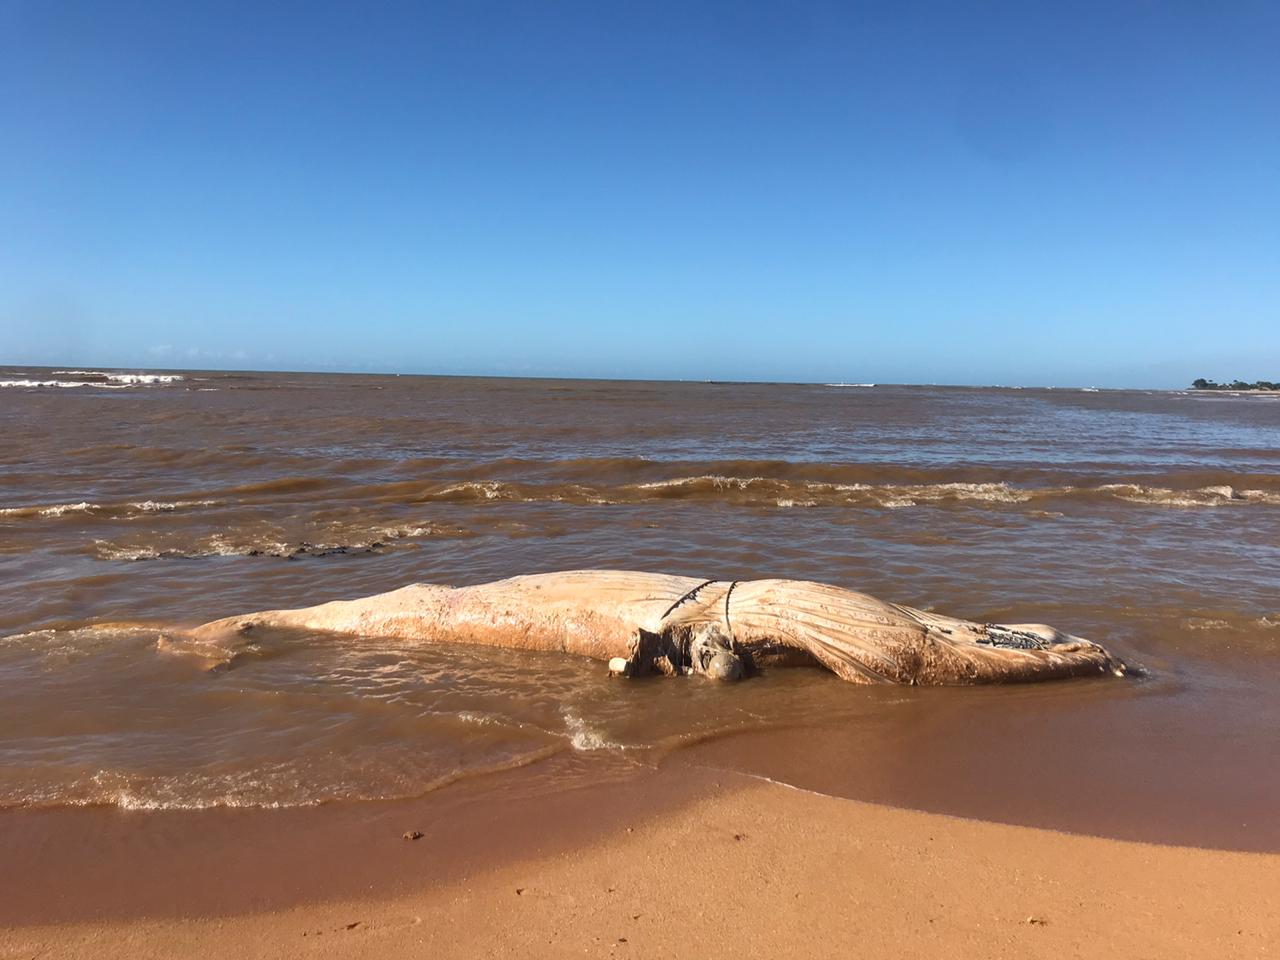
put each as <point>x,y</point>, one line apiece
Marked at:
<point>1148,521</point>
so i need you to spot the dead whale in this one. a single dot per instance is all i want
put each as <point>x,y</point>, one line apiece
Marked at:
<point>646,623</point>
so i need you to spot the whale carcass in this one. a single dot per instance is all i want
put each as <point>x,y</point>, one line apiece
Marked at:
<point>645,623</point>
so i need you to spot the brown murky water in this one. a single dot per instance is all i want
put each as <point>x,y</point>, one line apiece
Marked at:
<point>1147,521</point>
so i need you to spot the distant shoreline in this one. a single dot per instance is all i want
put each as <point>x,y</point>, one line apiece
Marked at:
<point>28,371</point>
<point>1235,386</point>
<point>1222,391</point>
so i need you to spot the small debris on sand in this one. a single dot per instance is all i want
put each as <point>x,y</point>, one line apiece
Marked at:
<point>412,835</point>
<point>1037,921</point>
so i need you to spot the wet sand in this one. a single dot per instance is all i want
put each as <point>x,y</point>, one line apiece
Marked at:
<point>685,862</point>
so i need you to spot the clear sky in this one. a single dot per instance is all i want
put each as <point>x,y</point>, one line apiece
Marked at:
<point>1029,192</point>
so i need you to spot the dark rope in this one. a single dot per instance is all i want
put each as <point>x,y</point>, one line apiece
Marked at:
<point>688,596</point>
<point>733,643</point>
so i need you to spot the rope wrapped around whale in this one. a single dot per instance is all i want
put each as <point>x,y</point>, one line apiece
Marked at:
<point>644,623</point>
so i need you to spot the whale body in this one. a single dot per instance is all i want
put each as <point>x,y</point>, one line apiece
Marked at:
<point>646,623</point>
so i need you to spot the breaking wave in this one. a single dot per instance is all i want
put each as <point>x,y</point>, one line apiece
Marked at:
<point>250,544</point>
<point>95,378</point>
<point>108,510</point>
<point>271,786</point>
<point>127,379</point>
<point>583,738</point>
<point>1211,496</point>
<point>762,491</point>
<point>60,383</point>
<point>52,510</point>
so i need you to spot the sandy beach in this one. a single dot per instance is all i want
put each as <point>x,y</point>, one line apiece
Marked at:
<point>683,863</point>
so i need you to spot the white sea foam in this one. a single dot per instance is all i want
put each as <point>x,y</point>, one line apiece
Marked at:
<point>252,544</point>
<point>489,489</point>
<point>61,383</point>
<point>102,381</point>
<point>128,379</point>
<point>789,493</point>
<point>166,506</point>
<point>110,551</point>
<point>405,533</point>
<point>1225,492</point>
<point>143,378</point>
<point>214,546</point>
<point>989,492</point>
<point>53,510</point>
<point>716,480</point>
<point>582,737</point>
<point>895,503</point>
<point>1200,497</point>
<point>59,509</point>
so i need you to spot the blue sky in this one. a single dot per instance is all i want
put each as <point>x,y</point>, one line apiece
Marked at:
<point>933,192</point>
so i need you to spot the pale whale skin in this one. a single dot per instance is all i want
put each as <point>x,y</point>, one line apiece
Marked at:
<point>660,623</point>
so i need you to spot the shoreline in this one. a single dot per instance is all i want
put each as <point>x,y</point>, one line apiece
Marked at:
<point>1089,774</point>
<point>682,862</point>
<point>108,864</point>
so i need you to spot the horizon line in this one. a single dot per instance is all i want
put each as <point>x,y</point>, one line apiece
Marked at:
<point>137,368</point>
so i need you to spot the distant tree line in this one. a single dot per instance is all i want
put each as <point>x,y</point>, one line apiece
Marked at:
<point>1201,383</point>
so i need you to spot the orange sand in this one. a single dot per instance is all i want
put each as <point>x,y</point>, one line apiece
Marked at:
<point>755,869</point>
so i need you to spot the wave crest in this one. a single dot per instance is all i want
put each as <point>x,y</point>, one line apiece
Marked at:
<point>95,378</point>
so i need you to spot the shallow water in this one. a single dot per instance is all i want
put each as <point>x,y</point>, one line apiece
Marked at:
<point>1148,521</point>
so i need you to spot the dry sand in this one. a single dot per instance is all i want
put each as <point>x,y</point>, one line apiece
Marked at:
<point>738,867</point>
